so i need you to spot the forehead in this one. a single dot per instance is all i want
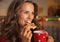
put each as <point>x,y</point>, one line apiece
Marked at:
<point>25,4</point>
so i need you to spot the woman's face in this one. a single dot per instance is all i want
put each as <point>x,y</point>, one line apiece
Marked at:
<point>25,13</point>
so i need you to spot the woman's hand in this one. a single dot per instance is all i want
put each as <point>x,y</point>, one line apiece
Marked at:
<point>50,39</point>
<point>26,33</point>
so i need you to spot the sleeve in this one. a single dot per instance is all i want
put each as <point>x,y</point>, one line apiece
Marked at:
<point>2,39</point>
<point>18,40</point>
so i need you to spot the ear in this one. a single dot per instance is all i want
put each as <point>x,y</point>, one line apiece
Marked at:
<point>16,17</point>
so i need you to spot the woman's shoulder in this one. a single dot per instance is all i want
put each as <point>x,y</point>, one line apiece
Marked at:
<point>18,40</point>
<point>3,39</point>
<point>1,25</point>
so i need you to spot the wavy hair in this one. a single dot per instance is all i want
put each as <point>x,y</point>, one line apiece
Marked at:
<point>10,26</point>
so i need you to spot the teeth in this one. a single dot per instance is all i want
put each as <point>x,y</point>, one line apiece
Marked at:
<point>28,21</point>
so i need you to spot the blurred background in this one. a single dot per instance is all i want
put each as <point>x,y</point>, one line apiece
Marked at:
<point>48,15</point>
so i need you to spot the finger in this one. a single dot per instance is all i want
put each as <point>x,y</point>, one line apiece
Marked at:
<point>28,34</point>
<point>26,30</point>
<point>22,30</point>
<point>46,32</point>
<point>50,38</point>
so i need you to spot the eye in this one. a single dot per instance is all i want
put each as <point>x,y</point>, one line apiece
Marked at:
<point>26,12</point>
<point>33,13</point>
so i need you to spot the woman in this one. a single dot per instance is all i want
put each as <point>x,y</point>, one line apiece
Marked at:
<point>16,27</point>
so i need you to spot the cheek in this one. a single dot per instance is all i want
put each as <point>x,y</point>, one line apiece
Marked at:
<point>33,17</point>
<point>21,19</point>
<point>22,15</point>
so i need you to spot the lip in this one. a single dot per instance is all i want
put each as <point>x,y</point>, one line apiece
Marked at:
<point>27,22</point>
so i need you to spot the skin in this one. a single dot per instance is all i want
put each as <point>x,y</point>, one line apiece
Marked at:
<point>25,14</point>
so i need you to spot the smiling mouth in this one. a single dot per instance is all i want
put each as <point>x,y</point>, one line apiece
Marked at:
<point>27,22</point>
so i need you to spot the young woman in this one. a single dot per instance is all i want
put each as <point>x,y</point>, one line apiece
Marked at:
<point>16,27</point>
